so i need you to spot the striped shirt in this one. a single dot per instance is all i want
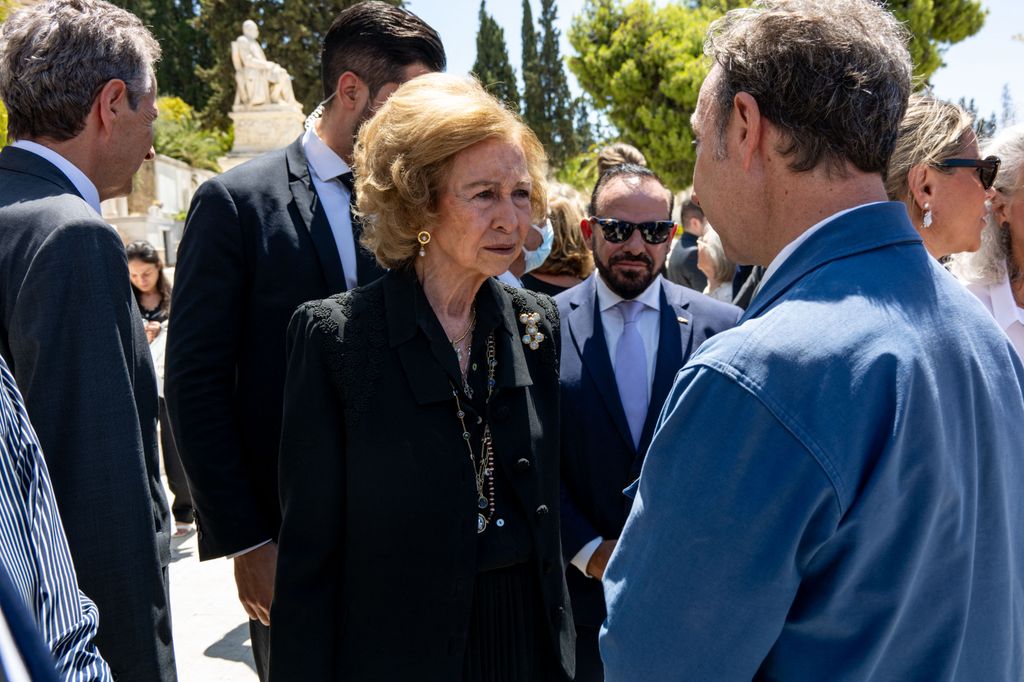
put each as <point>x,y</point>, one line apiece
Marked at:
<point>35,551</point>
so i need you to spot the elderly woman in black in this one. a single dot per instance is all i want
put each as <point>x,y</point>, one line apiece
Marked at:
<point>419,454</point>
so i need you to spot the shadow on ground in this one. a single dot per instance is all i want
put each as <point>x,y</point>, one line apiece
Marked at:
<point>233,647</point>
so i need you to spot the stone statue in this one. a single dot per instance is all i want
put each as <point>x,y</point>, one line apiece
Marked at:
<point>258,81</point>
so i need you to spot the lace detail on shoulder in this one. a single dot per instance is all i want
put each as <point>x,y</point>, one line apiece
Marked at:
<point>353,345</point>
<point>525,301</point>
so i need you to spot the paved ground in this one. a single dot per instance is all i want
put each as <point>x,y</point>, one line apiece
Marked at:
<point>211,631</point>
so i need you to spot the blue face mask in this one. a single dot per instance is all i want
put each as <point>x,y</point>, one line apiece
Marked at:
<point>534,259</point>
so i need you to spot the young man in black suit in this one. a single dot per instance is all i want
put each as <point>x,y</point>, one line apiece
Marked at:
<point>626,331</point>
<point>77,79</point>
<point>260,240</point>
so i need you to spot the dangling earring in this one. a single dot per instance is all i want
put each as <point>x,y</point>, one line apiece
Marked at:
<point>926,222</point>
<point>423,237</point>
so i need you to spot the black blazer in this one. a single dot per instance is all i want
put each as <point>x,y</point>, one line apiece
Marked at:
<point>256,245</point>
<point>682,264</point>
<point>598,456</point>
<point>72,335</point>
<point>377,555</point>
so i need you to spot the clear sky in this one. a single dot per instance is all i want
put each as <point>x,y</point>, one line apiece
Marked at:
<point>978,67</point>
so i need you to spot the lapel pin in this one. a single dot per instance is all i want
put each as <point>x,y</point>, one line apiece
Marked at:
<point>533,335</point>
<point>682,320</point>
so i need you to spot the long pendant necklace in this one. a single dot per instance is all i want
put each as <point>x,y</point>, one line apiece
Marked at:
<point>483,469</point>
<point>457,347</point>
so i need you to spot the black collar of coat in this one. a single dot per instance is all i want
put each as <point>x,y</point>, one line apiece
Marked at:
<point>427,377</point>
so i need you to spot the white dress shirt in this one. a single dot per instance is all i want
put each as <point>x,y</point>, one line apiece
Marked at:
<point>649,325</point>
<point>324,167</point>
<point>998,298</point>
<point>79,179</point>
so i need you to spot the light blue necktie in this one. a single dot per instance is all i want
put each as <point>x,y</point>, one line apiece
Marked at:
<point>631,369</point>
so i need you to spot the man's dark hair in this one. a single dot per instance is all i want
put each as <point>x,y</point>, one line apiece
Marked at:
<point>627,170</point>
<point>375,41</point>
<point>690,209</point>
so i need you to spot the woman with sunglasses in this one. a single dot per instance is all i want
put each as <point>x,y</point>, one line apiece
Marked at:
<point>937,172</point>
<point>995,274</point>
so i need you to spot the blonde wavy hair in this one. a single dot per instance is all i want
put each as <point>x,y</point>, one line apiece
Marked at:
<point>931,131</point>
<point>570,254</point>
<point>404,154</point>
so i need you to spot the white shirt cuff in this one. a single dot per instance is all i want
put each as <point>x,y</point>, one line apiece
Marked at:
<point>246,551</point>
<point>582,557</point>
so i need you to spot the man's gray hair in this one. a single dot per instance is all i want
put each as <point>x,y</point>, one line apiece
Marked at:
<point>994,260</point>
<point>833,75</point>
<point>55,57</point>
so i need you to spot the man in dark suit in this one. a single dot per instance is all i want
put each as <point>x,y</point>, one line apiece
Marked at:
<point>682,261</point>
<point>259,241</point>
<point>77,80</point>
<point>625,333</point>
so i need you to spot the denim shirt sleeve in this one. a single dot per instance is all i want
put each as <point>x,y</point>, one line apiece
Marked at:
<point>730,508</point>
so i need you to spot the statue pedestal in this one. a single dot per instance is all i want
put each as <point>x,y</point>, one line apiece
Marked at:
<point>262,129</point>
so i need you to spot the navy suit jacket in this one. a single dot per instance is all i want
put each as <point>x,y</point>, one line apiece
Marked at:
<point>598,456</point>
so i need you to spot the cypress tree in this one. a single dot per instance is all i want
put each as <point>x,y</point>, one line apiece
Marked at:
<point>559,110</point>
<point>533,95</point>
<point>492,66</point>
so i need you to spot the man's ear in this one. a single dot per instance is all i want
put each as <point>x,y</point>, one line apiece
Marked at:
<point>587,229</point>
<point>920,184</point>
<point>349,91</point>
<point>111,101</point>
<point>749,127</point>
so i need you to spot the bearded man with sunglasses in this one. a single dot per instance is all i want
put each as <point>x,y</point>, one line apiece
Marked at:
<point>626,331</point>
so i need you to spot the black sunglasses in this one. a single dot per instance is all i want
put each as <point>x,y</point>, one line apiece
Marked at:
<point>618,231</point>
<point>987,168</point>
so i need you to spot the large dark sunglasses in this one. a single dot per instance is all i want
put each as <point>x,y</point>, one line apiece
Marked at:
<point>618,231</point>
<point>987,168</point>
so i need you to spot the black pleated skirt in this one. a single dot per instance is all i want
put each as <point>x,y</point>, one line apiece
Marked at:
<point>506,641</point>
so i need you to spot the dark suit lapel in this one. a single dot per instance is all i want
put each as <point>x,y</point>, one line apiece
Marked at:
<point>674,338</point>
<point>367,268</point>
<point>588,338</point>
<point>314,219</point>
<point>22,161</point>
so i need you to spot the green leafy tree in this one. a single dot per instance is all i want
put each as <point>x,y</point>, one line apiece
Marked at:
<point>185,48</point>
<point>5,8</point>
<point>642,64</point>
<point>178,133</point>
<point>533,95</point>
<point>492,67</point>
<point>291,32</point>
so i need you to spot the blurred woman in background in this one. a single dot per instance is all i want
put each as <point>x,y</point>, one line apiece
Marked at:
<point>570,261</point>
<point>716,266</point>
<point>153,294</point>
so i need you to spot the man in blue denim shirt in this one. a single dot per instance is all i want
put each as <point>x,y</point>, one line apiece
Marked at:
<point>834,491</point>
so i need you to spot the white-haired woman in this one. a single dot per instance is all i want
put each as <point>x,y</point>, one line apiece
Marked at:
<point>716,266</point>
<point>995,274</point>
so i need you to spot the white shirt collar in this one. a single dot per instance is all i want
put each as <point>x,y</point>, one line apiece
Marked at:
<point>606,298</point>
<point>788,250</point>
<point>322,160</point>
<point>1004,308</point>
<point>79,179</point>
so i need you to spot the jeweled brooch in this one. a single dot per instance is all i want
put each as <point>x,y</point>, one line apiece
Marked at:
<point>533,335</point>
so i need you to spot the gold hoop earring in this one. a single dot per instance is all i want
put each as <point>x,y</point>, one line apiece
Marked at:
<point>423,237</point>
